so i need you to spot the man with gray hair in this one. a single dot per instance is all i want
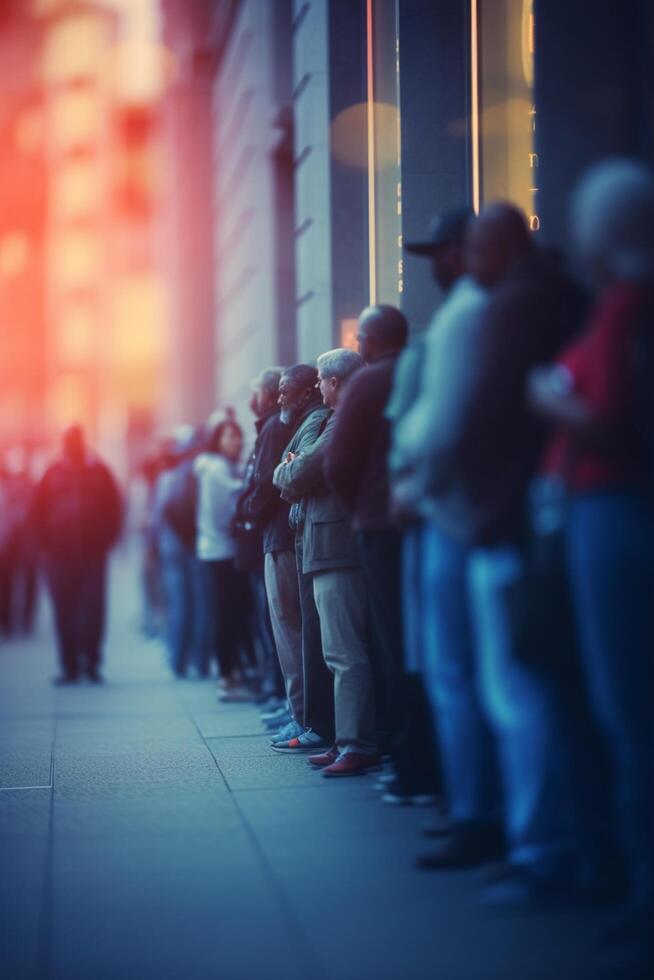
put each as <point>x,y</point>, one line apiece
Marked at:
<point>330,556</point>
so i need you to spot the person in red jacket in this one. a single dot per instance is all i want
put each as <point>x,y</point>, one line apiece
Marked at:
<point>77,514</point>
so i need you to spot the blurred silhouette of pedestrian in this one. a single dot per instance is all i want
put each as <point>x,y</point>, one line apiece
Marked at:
<point>77,513</point>
<point>18,558</point>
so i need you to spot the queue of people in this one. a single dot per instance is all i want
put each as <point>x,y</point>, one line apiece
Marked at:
<point>441,548</point>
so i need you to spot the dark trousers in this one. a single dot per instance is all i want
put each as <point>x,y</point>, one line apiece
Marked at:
<point>229,601</point>
<point>403,720</point>
<point>18,581</point>
<point>78,596</point>
<point>318,679</point>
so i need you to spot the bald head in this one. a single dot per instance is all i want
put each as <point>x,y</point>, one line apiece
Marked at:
<point>496,241</point>
<point>382,330</point>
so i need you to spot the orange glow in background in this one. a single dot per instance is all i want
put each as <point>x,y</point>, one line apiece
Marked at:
<point>83,301</point>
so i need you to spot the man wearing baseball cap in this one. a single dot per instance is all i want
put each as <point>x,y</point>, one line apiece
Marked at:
<point>436,550</point>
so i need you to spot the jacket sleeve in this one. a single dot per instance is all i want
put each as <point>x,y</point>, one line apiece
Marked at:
<point>285,474</point>
<point>260,504</point>
<point>345,456</point>
<point>305,473</point>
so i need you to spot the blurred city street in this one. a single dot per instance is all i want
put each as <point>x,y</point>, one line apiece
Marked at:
<point>149,832</point>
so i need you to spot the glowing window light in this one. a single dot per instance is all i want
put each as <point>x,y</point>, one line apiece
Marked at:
<point>76,334</point>
<point>14,253</point>
<point>76,259</point>
<point>75,191</point>
<point>138,317</point>
<point>68,400</point>
<point>350,333</point>
<point>74,118</point>
<point>73,48</point>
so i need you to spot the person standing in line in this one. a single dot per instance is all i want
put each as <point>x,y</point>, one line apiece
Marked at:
<point>227,590</point>
<point>292,608</point>
<point>356,466</point>
<point>425,417</point>
<point>533,309</point>
<point>599,397</point>
<point>77,519</point>
<point>330,556</point>
<point>177,560</point>
<point>260,523</point>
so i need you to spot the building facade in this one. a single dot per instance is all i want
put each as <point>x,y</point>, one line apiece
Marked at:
<point>383,113</point>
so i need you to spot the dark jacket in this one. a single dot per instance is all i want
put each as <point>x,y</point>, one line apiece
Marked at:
<point>356,460</point>
<point>327,540</point>
<point>77,511</point>
<point>260,504</point>
<point>529,318</point>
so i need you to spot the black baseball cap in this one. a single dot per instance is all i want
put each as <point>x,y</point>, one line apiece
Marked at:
<point>448,228</point>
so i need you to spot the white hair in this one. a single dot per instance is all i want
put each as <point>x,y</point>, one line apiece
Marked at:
<point>613,217</point>
<point>339,363</point>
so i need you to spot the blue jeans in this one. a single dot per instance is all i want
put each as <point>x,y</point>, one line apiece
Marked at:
<point>177,578</point>
<point>611,560</point>
<point>522,710</point>
<point>450,675</point>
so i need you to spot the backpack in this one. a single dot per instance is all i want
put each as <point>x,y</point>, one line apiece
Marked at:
<point>180,508</point>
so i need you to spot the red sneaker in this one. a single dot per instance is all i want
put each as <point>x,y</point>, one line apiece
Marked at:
<point>324,759</point>
<point>353,764</point>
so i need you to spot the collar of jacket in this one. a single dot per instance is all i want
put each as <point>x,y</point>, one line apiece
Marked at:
<point>259,423</point>
<point>314,403</point>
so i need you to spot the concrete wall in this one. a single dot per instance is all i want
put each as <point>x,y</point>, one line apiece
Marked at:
<point>246,110</point>
<point>313,272</point>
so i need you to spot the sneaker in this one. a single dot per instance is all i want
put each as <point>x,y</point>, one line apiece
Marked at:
<point>308,741</point>
<point>324,758</point>
<point>399,797</point>
<point>442,826</point>
<point>292,730</point>
<point>353,764</point>
<point>472,844</point>
<point>385,780</point>
<point>236,695</point>
<point>63,679</point>
<point>269,717</point>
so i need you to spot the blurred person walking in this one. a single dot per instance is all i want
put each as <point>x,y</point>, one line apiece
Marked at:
<point>356,466</point>
<point>600,398</point>
<point>77,515</point>
<point>226,589</point>
<point>18,551</point>
<point>330,556</point>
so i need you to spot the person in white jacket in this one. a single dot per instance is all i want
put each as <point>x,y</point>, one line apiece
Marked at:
<point>227,591</point>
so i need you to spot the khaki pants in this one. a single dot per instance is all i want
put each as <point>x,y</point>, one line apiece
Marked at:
<point>341,600</point>
<point>286,619</point>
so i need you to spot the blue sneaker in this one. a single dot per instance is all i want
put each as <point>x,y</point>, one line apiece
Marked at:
<point>308,741</point>
<point>292,730</point>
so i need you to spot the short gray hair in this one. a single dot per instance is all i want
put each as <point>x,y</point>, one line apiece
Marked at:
<point>268,380</point>
<point>613,217</point>
<point>339,363</point>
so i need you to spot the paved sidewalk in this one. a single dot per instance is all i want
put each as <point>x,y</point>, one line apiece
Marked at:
<point>147,831</point>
